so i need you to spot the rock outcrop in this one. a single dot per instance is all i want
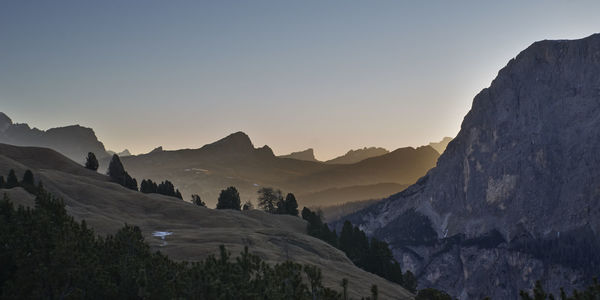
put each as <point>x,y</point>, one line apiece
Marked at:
<point>307,155</point>
<point>516,195</point>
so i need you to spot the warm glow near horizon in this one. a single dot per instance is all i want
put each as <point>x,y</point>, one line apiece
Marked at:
<point>144,74</point>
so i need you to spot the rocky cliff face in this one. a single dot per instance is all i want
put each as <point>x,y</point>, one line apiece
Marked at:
<point>522,174</point>
<point>72,141</point>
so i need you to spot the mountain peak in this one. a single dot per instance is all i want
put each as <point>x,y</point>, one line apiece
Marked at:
<point>5,121</point>
<point>235,142</point>
<point>307,155</point>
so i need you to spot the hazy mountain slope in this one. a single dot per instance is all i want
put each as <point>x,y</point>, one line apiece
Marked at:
<point>523,174</point>
<point>233,161</point>
<point>354,156</point>
<point>404,166</point>
<point>197,231</point>
<point>73,141</point>
<point>440,146</point>
<point>308,155</point>
<point>336,196</point>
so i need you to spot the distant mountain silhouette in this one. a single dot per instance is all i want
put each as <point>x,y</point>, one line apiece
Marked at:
<point>354,156</point>
<point>72,141</point>
<point>157,149</point>
<point>307,155</point>
<point>440,146</point>
<point>120,154</point>
<point>235,161</point>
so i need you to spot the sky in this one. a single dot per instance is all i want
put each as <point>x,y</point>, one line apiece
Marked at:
<point>329,75</point>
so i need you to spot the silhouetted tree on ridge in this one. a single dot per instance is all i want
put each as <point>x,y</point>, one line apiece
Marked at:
<point>269,198</point>
<point>197,200</point>
<point>91,162</point>
<point>229,199</point>
<point>117,173</point>
<point>11,180</point>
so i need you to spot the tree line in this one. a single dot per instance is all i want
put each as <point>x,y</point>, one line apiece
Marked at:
<point>27,182</point>
<point>117,174</point>
<point>371,255</point>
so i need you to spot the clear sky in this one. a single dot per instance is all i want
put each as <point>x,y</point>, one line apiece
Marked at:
<point>331,75</point>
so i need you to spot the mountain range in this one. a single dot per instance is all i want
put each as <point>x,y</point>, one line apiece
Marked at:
<point>351,157</point>
<point>73,141</point>
<point>515,197</point>
<point>234,161</point>
<point>364,174</point>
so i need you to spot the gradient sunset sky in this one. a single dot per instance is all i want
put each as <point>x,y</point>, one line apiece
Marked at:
<point>331,75</point>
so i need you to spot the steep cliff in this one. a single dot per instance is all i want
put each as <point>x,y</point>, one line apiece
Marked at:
<point>516,195</point>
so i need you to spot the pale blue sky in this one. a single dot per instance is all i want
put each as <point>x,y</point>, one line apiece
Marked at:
<point>332,75</point>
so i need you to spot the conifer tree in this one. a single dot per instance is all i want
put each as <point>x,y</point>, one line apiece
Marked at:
<point>91,162</point>
<point>2,183</point>
<point>269,199</point>
<point>11,180</point>
<point>27,178</point>
<point>197,200</point>
<point>290,205</point>
<point>229,199</point>
<point>117,173</point>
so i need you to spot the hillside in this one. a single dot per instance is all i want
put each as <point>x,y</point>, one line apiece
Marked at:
<point>197,231</point>
<point>514,198</point>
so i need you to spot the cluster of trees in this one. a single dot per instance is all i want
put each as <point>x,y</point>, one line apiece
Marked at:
<point>45,254</point>
<point>592,292</point>
<point>28,182</point>
<point>371,255</point>
<point>117,173</point>
<point>272,201</point>
<point>164,188</point>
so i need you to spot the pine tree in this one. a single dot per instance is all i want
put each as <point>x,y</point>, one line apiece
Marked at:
<point>229,199</point>
<point>268,199</point>
<point>27,178</point>
<point>2,183</point>
<point>11,180</point>
<point>91,162</point>
<point>196,200</point>
<point>291,205</point>
<point>117,173</point>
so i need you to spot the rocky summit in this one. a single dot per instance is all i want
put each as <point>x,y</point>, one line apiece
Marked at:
<point>516,195</point>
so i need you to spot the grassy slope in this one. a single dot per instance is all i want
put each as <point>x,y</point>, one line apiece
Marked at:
<point>197,231</point>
